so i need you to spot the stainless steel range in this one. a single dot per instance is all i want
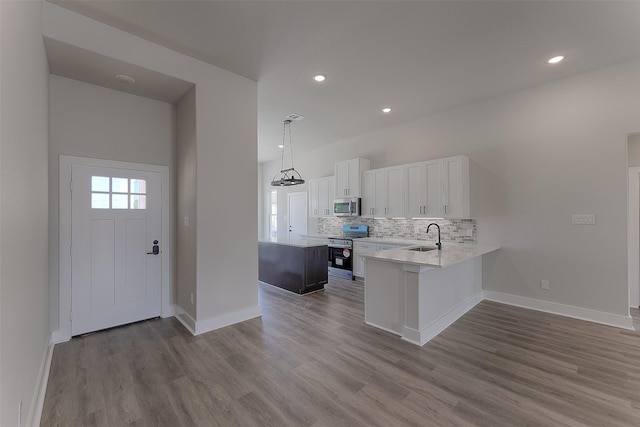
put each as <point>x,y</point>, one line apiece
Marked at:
<point>341,250</point>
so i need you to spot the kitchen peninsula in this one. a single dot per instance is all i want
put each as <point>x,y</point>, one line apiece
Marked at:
<point>298,266</point>
<point>417,291</point>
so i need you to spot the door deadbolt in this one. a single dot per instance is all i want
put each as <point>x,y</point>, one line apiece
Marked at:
<point>155,250</point>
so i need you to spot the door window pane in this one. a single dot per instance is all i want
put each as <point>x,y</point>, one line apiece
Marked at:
<point>100,183</point>
<point>100,200</point>
<point>138,201</point>
<point>139,186</point>
<point>120,185</point>
<point>119,201</point>
<point>118,193</point>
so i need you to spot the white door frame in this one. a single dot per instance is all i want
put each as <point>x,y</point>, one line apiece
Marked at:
<point>633,236</point>
<point>289,195</point>
<point>66,163</point>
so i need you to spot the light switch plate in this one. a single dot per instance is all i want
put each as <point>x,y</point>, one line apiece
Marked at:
<point>583,219</point>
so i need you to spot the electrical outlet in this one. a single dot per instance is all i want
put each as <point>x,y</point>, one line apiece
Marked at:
<point>544,284</point>
<point>584,219</point>
<point>191,298</point>
<point>469,232</point>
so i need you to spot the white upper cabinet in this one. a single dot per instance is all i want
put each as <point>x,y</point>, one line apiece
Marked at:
<point>438,188</point>
<point>424,189</point>
<point>313,198</point>
<point>395,181</point>
<point>325,196</point>
<point>321,197</point>
<point>383,192</point>
<point>455,187</point>
<point>347,178</point>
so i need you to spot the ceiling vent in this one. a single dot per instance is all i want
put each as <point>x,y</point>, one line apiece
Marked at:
<point>295,117</point>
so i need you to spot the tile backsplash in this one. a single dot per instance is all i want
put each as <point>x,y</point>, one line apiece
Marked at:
<point>452,230</point>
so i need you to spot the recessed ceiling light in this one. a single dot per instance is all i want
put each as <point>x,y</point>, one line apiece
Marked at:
<point>123,78</point>
<point>319,78</point>
<point>556,59</point>
<point>280,146</point>
<point>386,110</point>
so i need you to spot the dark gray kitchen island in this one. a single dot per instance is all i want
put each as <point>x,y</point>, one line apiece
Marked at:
<point>298,266</point>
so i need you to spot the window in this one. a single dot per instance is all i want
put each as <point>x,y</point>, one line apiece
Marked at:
<point>118,193</point>
<point>273,214</point>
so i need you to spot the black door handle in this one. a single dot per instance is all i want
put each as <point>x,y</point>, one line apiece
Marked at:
<point>155,250</point>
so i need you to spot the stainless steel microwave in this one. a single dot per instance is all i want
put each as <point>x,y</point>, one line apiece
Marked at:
<point>346,207</point>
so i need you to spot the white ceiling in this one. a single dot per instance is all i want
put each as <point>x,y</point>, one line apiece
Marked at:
<point>417,57</point>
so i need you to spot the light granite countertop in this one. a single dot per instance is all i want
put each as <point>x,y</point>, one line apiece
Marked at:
<point>450,254</point>
<point>301,243</point>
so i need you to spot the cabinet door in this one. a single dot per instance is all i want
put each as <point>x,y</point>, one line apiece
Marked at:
<point>416,190</point>
<point>342,178</point>
<point>353,189</point>
<point>314,200</point>
<point>455,185</point>
<point>395,182</point>
<point>331,194</point>
<point>368,194</point>
<point>323,197</point>
<point>433,207</point>
<point>380,191</point>
<point>358,261</point>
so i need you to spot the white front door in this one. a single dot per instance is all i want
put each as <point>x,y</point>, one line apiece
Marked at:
<point>115,269</point>
<point>297,214</point>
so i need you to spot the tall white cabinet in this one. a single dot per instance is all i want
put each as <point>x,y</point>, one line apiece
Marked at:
<point>321,195</point>
<point>347,177</point>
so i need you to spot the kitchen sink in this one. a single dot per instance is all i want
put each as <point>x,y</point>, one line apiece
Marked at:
<point>422,249</point>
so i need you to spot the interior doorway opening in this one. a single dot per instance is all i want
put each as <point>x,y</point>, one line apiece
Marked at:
<point>633,219</point>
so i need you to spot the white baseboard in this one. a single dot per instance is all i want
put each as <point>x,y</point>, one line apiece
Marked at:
<point>59,336</point>
<point>383,328</point>
<point>169,312</point>
<point>226,319</point>
<point>430,331</point>
<point>37,403</point>
<point>186,319</point>
<point>609,319</point>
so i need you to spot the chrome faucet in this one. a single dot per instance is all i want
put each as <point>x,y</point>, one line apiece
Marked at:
<point>439,244</point>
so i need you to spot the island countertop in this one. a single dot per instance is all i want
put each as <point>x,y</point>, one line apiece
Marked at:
<point>450,254</point>
<point>301,243</point>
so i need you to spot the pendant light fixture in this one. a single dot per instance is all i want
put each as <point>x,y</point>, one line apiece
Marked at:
<point>287,177</point>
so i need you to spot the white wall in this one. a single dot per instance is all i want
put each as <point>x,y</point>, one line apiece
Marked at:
<point>186,149</point>
<point>537,157</point>
<point>226,135</point>
<point>24,290</point>
<point>95,122</point>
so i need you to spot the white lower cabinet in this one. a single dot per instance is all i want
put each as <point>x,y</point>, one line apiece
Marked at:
<point>360,248</point>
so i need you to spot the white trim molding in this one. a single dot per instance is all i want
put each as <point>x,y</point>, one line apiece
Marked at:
<point>426,334</point>
<point>633,236</point>
<point>37,403</point>
<point>217,322</point>
<point>186,319</point>
<point>609,319</point>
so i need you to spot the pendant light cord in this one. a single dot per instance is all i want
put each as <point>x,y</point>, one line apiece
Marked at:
<point>284,129</point>
<point>290,144</point>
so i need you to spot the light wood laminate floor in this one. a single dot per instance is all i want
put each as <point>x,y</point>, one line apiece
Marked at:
<point>311,361</point>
